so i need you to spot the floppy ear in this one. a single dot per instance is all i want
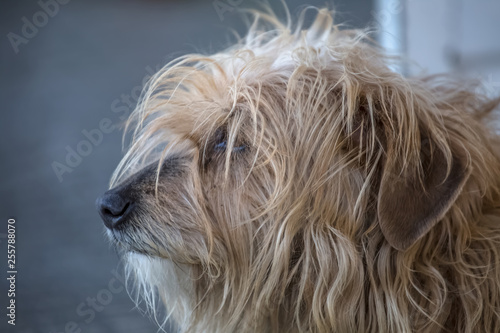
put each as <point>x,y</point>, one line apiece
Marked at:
<point>411,203</point>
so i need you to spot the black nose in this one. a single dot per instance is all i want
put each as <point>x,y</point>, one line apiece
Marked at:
<point>113,208</point>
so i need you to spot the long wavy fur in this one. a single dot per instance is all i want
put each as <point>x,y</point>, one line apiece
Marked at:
<point>287,237</point>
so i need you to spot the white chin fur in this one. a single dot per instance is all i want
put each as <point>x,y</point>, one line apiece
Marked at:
<point>159,287</point>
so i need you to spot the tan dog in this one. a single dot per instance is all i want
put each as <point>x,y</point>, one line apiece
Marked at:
<point>304,186</point>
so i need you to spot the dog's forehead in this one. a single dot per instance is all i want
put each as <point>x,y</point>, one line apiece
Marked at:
<point>212,100</point>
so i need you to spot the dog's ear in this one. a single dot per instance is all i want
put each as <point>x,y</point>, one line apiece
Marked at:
<point>412,200</point>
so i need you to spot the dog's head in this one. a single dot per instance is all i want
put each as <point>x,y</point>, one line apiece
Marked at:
<point>282,158</point>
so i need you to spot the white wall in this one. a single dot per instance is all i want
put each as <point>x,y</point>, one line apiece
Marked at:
<point>460,36</point>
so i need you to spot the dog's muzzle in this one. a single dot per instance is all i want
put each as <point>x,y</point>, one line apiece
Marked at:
<point>120,206</point>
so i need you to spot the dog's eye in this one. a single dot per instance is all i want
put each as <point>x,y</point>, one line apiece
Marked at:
<point>221,142</point>
<point>221,146</point>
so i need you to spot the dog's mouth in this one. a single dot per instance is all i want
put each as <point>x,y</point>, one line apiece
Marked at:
<point>126,241</point>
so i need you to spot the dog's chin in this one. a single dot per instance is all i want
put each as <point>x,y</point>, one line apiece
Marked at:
<point>125,243</point>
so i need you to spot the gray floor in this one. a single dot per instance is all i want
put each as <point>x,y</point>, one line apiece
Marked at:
<point>62,81</point>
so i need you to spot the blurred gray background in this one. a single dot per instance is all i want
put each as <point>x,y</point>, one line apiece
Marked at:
<point>69,67</point>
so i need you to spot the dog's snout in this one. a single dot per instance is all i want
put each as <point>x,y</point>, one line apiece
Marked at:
<point>114,208</point>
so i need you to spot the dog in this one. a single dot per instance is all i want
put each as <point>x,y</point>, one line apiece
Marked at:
<point>295,183</point>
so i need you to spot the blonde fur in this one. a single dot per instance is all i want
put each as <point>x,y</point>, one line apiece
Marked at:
<point>283,234</point>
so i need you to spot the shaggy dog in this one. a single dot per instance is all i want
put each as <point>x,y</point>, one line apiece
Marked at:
<point>295,183</point>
